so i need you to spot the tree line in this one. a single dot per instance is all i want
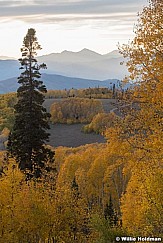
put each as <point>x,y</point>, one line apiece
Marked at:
<point>75,110</point>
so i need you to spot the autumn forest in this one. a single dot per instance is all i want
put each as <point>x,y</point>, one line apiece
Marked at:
<point>97,192</point>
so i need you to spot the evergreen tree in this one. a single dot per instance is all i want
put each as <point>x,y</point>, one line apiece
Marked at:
<point>113,90</point>
<point>110,214</point>
<point>27,138</point>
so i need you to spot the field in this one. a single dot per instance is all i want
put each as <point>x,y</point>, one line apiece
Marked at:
<point>71,135</point>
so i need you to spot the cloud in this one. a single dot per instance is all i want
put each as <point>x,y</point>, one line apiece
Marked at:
<point>63,10</point>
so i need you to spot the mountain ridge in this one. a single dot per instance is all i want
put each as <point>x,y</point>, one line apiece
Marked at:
<point>84,64</point>
<point>59,82</point>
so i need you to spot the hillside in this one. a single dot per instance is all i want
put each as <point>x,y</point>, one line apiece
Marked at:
<point>8,68</point>
<point>85,64</point>
<point>53,81</point>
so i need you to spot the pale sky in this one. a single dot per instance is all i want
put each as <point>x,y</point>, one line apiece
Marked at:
<point>68,24</point>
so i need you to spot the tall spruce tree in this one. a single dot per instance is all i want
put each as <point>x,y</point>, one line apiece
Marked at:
<point>110,214</point>
<point>28,136</point>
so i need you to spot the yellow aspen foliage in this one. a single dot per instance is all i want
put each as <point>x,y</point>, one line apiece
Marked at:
<point>142,203</point>
<point>7,102</point>
<point>95,167</point>
<point>72,214</point>
<point>75,110</point>
<point>101,122</point>
<point>26,208</point>
<point>96,93</point>
<point>10,188</point>
<point>142,129</point>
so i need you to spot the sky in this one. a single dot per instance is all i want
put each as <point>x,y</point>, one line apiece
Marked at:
<point>72,25</point>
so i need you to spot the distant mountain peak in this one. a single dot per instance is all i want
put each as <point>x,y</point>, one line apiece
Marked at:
<point>83,64</point>
<point>65,51</point>
<point>113,54</point>
<point>84,51</point>
<point>87,51</point>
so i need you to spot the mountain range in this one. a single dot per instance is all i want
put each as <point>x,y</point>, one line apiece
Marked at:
<point>86,64</point>
<point>68,69</point>
<point>59,82</point>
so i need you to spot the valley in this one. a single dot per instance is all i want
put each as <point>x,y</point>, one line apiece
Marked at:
<point>71,135</point>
